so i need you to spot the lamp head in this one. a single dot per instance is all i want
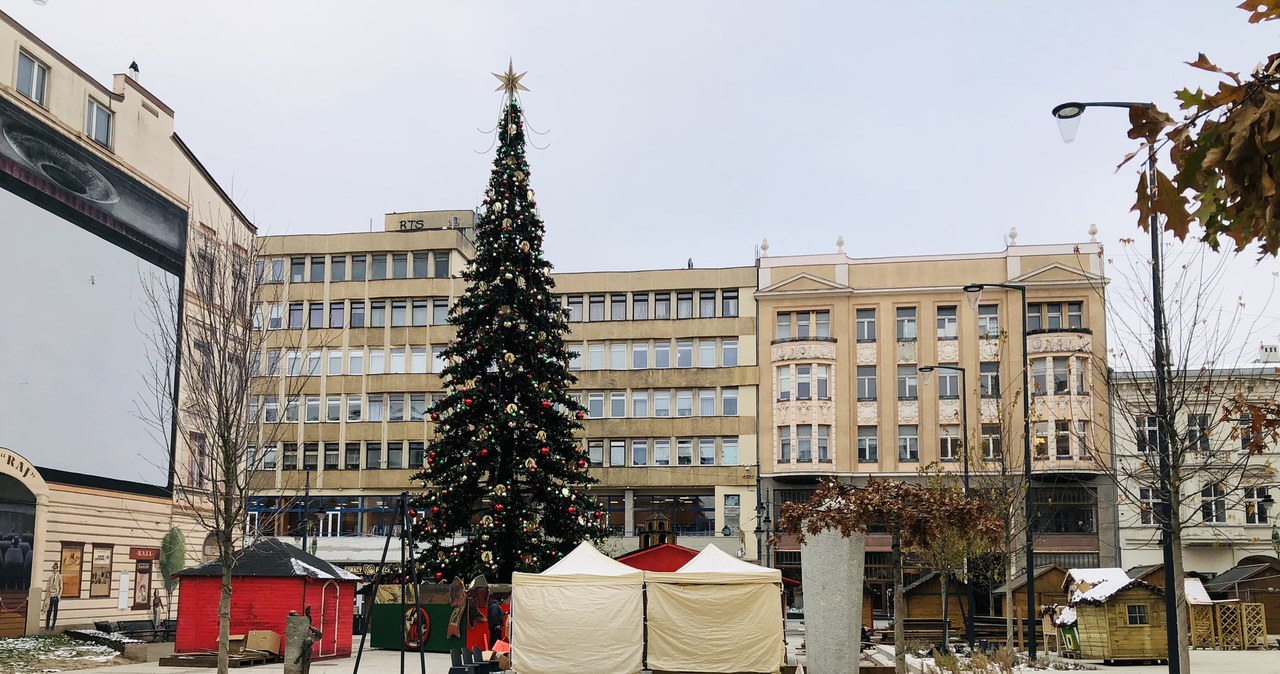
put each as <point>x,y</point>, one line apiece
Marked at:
<point>1068,116</point>
<point>926,372</point>
<point>973,293</point>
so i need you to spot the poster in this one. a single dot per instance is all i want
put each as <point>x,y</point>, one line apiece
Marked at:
<point>72,558</point>
<point>142,588</point>
<point>100,572</point>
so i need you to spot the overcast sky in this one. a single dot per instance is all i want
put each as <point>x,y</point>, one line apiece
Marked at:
<point>672,130</point>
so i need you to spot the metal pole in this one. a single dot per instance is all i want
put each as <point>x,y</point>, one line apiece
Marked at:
<point>968,577</point>
<point>306,511</point>
<point>1164,424</point>
<point>1026,475</point>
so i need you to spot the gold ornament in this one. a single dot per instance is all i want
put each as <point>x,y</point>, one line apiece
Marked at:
<point>519,175</point>
<point>506,222</point>
<point>500,490</point>
<point>510,81</point>
<point>530,463</point>
<point>530,195</point>
<point>512,409</point>
<point>486,556</point>
<point>509,357</point>
<point>524,246</point>
<point>542,435</point>
<point>511,129</point>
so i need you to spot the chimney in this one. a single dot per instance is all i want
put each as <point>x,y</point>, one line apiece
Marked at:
<point>1269,353</point>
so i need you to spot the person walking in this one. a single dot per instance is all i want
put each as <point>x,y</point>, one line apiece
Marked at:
<point>495,621</point>
<point>52,594</point>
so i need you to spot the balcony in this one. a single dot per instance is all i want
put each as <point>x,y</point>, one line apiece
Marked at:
<point>1073,464</point>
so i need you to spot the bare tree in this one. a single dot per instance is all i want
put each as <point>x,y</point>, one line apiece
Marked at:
<point>206,374</point>
<point>1217,420</point>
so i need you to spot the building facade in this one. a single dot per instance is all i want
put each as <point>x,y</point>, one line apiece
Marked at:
<point>1228,477</point>
<point>666,370</point>
<point>842,341</point>
<point>96,179</point>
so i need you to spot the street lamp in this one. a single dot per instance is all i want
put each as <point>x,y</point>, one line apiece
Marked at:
<point>764,526</point>
<point>974,293</point>
<point>927,370</point>
<point>1068,116</point>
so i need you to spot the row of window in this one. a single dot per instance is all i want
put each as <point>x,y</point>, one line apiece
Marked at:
<point>1256,503</point>
<point>338,456</point>
<point>805,443</point>
<point>948,382</point>
<point>592,307</point>
<point>359,267</point>
<point>651,354</point>
<point>336,362</point>
<point>396,313</point>
<point>33,82</point>
<point>1198,432</point>
<point>640,404</point>
<point>657,452</point>
<point>373,407</point>
<point>1040,316</point>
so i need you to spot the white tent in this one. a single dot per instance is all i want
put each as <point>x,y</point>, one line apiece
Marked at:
<point>585,613</point>
<point>734,608</point>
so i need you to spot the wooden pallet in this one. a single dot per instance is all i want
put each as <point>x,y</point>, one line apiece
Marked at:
<point>210,659</point>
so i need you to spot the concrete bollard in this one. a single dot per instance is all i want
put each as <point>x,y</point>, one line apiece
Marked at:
<point>297,639</point>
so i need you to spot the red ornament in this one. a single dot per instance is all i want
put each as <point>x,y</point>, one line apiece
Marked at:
<point>582,464</point>
<point>544,451</point>
<point>572,510</point>
<point>484,453</point>
<point>439,575</point>
<point>599,514</point>
<point>413,513</point>
<point>546,404</point>
<point>435,510</point>
<point>498,507</point>
<point>581,415</point>
<point>466,401</point>
<point>435,416</point>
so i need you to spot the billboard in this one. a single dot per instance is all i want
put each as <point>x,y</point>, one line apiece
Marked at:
<point>82,239</point>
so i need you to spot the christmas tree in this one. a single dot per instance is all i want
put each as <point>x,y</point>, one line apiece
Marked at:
<point>504,477</point>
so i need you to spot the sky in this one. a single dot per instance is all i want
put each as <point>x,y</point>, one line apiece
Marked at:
<point>674,130</point>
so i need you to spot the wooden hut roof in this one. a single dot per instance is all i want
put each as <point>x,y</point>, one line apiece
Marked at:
<point>1100,593</point>
<point>1021,580</point>
<point>926,578</point>
<point>271,557</point>
<point>1238,574</point>
<point>1144,570</point>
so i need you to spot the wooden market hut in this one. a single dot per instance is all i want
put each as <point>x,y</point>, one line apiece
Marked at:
<point>1121,619</point>
<point>269,579</point>
<point>1256,580</point>
<point>665,557</point>
<point>922,599</point>
<point>1151,574</point>
<point>1049,591</point>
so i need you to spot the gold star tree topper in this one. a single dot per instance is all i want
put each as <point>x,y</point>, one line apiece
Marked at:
<point>510,81</point>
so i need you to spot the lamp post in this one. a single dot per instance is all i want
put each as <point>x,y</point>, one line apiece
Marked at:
<point>927,370</point>
<point>764,526</point>
<point>1068,116</point>
<point>974,293</point>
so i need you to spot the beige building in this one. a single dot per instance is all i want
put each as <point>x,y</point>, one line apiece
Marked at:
<point>95,178</point>
<point>666,370</point>
<point>842,341</point>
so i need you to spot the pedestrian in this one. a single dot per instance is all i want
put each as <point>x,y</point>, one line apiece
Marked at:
<point>52,594</point>
<point>495,621</point>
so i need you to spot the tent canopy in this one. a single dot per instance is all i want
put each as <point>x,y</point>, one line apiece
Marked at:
<point>715,560</point>
<point>587,560</point>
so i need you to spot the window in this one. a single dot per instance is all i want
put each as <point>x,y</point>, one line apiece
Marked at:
<point>948,383</point>
<point>441,266</point>
<point>1062,438</point>
<point>729,353</point>
<point>379,267</point>
<point>729,303</point>
<point>440,311</point>
<point>399,315</point>
<point>275,317</point>
<point>355,362</point>
<point>908,443</point>
<point>684,451</point>
<point>351,456</point>
<point>640,356</point>
<point>907,382</point>
<point>729,402</point>
<point>868,444</point>
<point>417,406</point>
<point>824,442</point>
<point>296,312</point>
<point>662,403</point>
<point>354,412</point>
<point>595,405</point>
<point>313,363</point>
<point>1080,364</point>
<point>313,408</point>
<point>866,382</point>
<point>988,320</point>
<point>97,123</point>
<point>948,328</point>
<point>372,456</point>
<point>866,325</point>
<point>617,404</point>
<point>783,326</point>
<point>906,323</point>
<point>989,380</point>
<point>639,306</point>
<point>1246,431</point>
<point>729,452</point>
<point>399,269</point>
<point>276,271</point>
<point>358,267</point>
<point>1213,504</point>
<point>357,314</point>
<point>1148,502</point>
<point>707,402</point>
<point>618,307</point>
<point>1257,500</point>
<point>316,319</point>
<point>662,306</point>
<point>575,358</point>
<point>297,269</point>
<point>595,452</point>
<point>378,314</point>
<point>335,362</point>
<point>617,452</point>
<point>437,359</point>
<point>377,403</point>
<point>269,458</point>
<point>662,355</point>
<point>417,454</point>
<point>822,323</point>
<point>821,381</point>
<point>639,452</point>
<point>707,449</point>
<point>706,353</point>
<point>317,269</point>
<point>784,382</point>
<point>575,308</point>
<point>639,404</point>
<point>33,81</point>
<point>1053,315</point>
<point>595,308</point>
<point>1035,319</point>
<point>618,356</point>
<point>337,318</point>
<point>1137,614</point>
<point>1039,376</point>
<point>418,360</point>
<point>420,313</point>
<point>662,452</point>
<point>333,408</point>
<point>684,305</point>
<point>804,382</point>
<point>992,448</point>
<point>1040,439</point>
<point>289,457</point>
<point>949,442</point>
<point>271,410</point>
<point>684,354</point>
<point>784,444</point>
<point>1148,430</point>
<point>421,263</point>
<point>310,456</point>
<point>338,268</point>
<point>1061,377</point>
<point>1075,315</point>
<point>707,304</point>
<point>684,403</point>
<point>595,356</point>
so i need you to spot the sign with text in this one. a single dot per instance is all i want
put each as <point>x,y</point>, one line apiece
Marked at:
<point>151,554</point>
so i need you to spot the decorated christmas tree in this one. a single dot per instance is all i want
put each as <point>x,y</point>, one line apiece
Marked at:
<point>504,479</point>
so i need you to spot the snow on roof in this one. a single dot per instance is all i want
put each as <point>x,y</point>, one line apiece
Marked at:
<point>1066,616</point>
<point>1196,594</point>
<point>1097,585</point>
